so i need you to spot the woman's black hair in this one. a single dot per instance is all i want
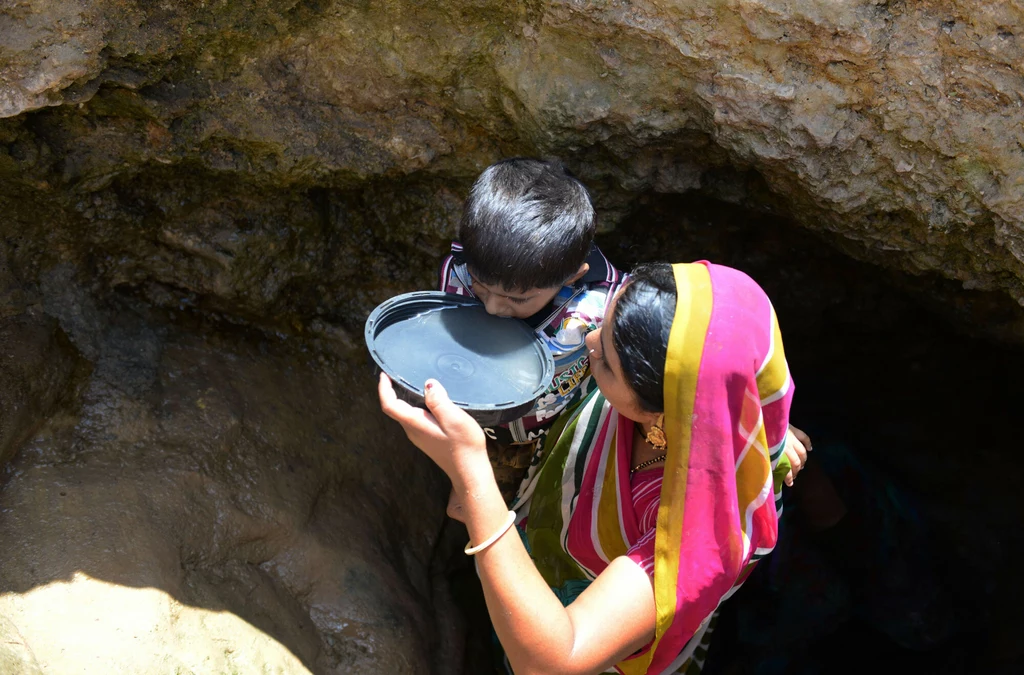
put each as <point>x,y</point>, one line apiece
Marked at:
<point>640,329</point>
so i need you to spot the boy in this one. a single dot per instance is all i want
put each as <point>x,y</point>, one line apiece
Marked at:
<point>526,250</point>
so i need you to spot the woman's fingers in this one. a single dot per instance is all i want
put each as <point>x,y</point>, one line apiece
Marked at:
<point>453,420</point>
<point>414,420</point>
<point>435,430</point>
<point>389,401</point>
<point>396,408</point>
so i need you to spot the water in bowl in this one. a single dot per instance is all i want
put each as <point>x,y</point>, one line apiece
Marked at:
<point>480,359</point>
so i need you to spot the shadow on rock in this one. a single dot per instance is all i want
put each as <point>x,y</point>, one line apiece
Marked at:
<point>215,501</point>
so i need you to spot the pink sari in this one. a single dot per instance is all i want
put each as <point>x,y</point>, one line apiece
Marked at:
<point>727,399</point>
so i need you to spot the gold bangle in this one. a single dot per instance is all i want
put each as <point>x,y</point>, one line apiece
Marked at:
<point>495,537</point>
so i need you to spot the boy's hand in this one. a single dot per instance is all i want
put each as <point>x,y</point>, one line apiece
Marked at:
<point>445,432</point>
<point>798,444</point>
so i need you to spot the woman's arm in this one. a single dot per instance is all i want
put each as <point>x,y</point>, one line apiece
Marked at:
<point>613,618</point>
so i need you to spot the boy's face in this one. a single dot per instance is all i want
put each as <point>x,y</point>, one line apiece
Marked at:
<point>516,304</point>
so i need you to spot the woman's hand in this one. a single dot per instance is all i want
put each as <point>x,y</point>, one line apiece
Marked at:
<point>798,444</point>
<point>445,432</point>
<point>610,620</point>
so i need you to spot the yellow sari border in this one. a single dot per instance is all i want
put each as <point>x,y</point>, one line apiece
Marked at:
<point>682,366</point>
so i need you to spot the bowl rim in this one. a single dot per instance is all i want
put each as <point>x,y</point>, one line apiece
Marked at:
<point>453,301</point>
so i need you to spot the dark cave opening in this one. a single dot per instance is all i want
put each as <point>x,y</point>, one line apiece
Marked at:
<point>901,393</point>
<point>908,412</point>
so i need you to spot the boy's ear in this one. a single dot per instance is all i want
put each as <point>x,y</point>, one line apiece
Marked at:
<point>584,268</point>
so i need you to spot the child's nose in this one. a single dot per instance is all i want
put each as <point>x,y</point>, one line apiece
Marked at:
<point>495,306</point>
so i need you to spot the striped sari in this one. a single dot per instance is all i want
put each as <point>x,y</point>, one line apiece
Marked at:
<point>727,399</point>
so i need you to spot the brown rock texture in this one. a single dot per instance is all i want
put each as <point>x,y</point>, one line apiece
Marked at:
<point>219,148</point>
<point>37,368</point>
<point>218,504</point>
<point>201,200</point>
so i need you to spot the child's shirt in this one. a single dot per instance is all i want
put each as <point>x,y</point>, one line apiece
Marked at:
<point>562,325</point>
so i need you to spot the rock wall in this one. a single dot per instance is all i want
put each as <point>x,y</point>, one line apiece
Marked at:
<point>223,503</point>
<point>201,200</point>
<point>250,154</point>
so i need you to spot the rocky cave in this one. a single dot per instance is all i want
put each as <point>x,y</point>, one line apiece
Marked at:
<point>202,200</point>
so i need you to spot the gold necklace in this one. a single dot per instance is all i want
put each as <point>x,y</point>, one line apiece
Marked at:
<point>644,465</point>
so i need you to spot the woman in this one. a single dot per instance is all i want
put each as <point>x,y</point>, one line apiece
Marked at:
<point>616,567</point>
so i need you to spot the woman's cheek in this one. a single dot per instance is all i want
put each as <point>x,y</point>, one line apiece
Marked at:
<point>597,372</point>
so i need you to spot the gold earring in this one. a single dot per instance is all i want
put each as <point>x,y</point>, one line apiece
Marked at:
<point>656,436</point>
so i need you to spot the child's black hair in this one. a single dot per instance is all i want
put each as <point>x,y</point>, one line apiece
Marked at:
<point>528,223</point>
